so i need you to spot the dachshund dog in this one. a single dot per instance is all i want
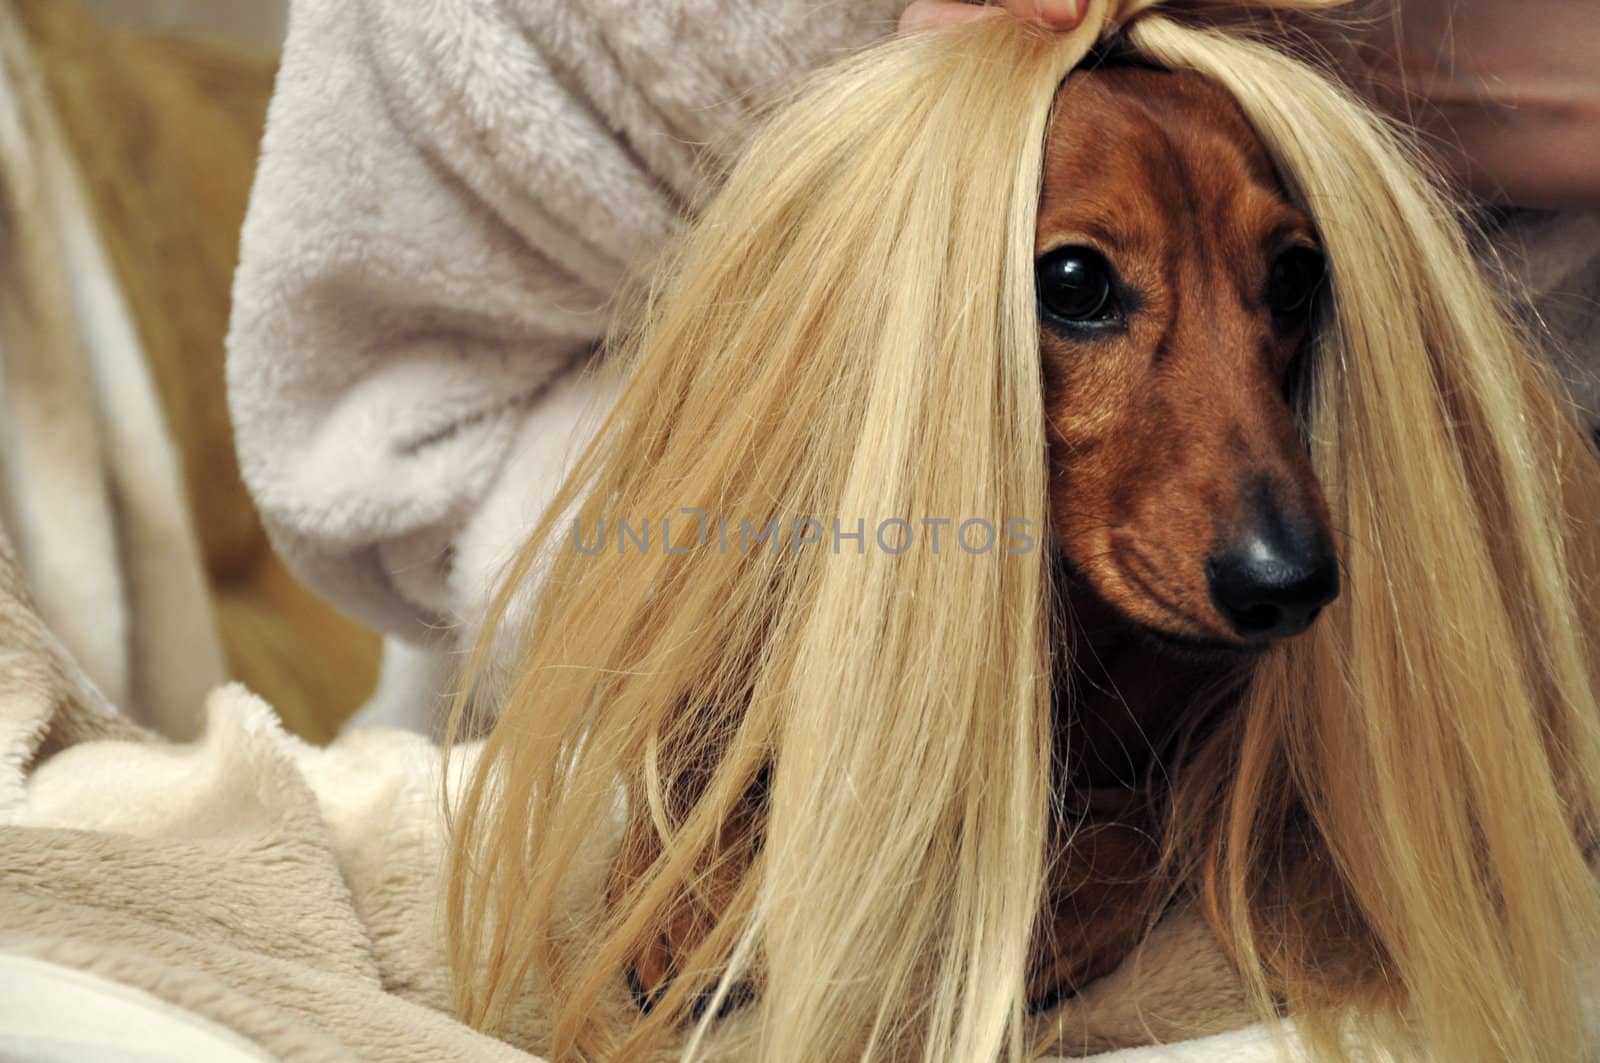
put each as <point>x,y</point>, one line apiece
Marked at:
<point>1176,286</point>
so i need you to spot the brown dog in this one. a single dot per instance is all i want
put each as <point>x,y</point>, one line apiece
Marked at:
<point>1176,284</point>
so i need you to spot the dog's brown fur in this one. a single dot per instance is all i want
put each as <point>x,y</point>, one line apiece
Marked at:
<point>1159,435</point>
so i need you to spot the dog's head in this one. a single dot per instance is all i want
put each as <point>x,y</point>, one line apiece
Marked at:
<point>1176,287</point>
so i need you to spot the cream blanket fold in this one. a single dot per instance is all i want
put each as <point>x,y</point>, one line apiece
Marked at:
<point>246,882</point>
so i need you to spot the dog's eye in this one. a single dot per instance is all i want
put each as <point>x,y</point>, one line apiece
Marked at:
<point>1075,285</point>
<point>1293,280</point>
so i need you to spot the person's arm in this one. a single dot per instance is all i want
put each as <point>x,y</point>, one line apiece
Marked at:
<point>449,195</point>
<point>1507,95</point>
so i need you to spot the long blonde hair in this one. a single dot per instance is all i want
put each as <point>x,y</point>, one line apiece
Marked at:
<point>1391,827</point>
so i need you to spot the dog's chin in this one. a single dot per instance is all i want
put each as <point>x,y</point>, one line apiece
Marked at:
<point>1197,648</point>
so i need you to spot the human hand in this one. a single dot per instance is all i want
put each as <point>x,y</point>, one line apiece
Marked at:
<point>1050,14</point>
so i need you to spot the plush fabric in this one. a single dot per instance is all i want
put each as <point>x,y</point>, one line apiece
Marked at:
<point>281,892</point>
<point>217,879</point>
<point>450,195</point>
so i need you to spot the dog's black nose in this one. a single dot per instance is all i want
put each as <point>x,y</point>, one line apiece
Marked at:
<point>1272,582</point>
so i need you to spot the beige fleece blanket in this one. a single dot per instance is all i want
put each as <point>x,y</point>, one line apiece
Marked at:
<point>250,881</point>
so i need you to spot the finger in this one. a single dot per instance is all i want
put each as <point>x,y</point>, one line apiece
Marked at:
<point>937,14</point>
<point>1051,14</point>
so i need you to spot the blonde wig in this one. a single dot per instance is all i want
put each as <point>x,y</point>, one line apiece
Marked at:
<point>1389,832</point>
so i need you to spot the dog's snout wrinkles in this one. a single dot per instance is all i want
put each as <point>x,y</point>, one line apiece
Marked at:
<point>1273,579</point>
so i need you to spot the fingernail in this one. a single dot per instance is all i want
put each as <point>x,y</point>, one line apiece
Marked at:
<point>1065,14</point>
